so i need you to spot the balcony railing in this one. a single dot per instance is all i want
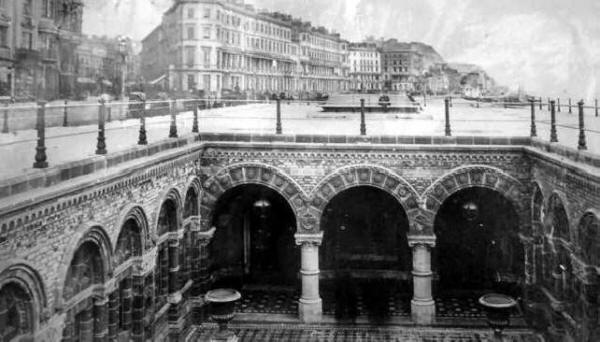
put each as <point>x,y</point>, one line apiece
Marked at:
<point>570,131</point>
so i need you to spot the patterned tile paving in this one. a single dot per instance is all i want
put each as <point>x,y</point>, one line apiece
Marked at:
<point>300,333</point>
<point>285,301</point>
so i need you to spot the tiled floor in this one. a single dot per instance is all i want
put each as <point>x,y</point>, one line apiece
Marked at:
<point>397,304</point>
<point>305,333</point>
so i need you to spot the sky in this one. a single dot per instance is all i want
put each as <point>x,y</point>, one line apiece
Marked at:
<point>546,47</point>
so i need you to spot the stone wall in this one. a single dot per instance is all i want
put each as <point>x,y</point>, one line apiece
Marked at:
<point>41,230</point>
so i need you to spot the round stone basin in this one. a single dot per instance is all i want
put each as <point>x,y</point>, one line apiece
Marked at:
<point>222,303</point>
<point>497,301</point>
<point>497,307</point>
<point>222,296</point>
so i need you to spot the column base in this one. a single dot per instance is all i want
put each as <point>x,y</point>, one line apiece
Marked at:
<point>310,310</point>
<point>422,312</point>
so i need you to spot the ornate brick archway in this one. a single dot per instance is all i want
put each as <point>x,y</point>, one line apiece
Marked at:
<point>21,273</point>
<point>96,235</point>
<point>362,175</point>
<point>249,173</point>
<point>476,176</point>
<point>137,214</point>
<point>174,196</point>
<point>589,236</point>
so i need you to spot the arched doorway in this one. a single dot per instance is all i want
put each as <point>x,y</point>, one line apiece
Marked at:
<point>86,269</point>
<point>254,239</point>
<point>477,249</point>
<point>16,313</point>
<point>129,245</point>
<point>365,258</point>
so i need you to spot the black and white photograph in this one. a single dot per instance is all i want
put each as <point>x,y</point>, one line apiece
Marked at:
<point>299,170</point>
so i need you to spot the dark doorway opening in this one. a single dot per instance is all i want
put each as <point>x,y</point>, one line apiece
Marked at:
<point>365,257</point>
<point>478,248</point>
<point>254,239</point>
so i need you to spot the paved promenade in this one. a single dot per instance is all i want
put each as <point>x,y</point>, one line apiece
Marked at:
<point>67,144</point>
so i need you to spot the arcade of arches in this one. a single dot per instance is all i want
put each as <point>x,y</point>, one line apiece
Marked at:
<point>139,284</point>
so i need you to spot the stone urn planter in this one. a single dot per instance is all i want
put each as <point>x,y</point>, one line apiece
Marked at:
<point>498,308</point>
<point>222,305</point>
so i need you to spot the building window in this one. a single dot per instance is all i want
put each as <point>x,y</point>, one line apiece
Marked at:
<point>27,40</point>
<point>190,32</point>
<point>206,56</point>
<point>191,13</point>
<point>206,33</point>
<point>191,82</point>
<point>48,8</point>
<point>189,56</point>
<point>27,5</point>
<point>3,36</point>
<point>207,13</point>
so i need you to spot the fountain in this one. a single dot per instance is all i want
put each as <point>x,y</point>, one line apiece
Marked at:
<point>222,302</point>
<point>497,308</point>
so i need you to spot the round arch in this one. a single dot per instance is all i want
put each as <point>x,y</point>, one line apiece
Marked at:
<point>170,195</point>
<point>363,175</point>
<point>135,213</point>
<point>476,176</point>
<point>589,236</point>
<point>193,186</point>
<point>25,276</point>
<point>249,173</point>
<point>478,242</point>
<point>537,208</point>
<point>95,234</point>
<point>559,220</point>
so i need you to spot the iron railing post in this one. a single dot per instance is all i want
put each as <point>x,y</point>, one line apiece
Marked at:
<point>5,121</point>
<point>195,122</point>
<point>553,135</point>
<point>447,116</point>
<point>142,139</point>
<point>40,150</point>
<point>101,145</point>
<point>65,115</point>
<point>533,132</point>
<point>363,125</point>
<point>278,125</point>
<point>173,127</point>
<point>581,144</point>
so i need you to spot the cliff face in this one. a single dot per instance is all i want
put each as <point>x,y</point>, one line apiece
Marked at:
<point>430,55</point>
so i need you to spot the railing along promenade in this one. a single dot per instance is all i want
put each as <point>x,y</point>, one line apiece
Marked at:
<point>43,135</point>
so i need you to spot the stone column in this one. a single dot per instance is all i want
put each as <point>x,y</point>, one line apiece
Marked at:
<point>86,325</point>
<point>174,266</point>
<point>310,308</point>
<point>126,301</point>
<point>422,305</point>
<point>529,251</point>
<point>113,315</point>
<point>137,309</point>
<point>200,259</point>
<point>101,320</point>
<point>68,329</point>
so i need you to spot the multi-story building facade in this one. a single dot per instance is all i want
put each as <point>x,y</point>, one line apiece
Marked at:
<point>365,67</point>
<point>103,64</point>
<point>36,46</point>
<point>402,66</point>
<point>215,45</point>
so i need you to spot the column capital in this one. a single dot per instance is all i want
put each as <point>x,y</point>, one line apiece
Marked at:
<point>309,239</point>
<point>421,240</point>
<point>205,237</point>
<point>192,223</point>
